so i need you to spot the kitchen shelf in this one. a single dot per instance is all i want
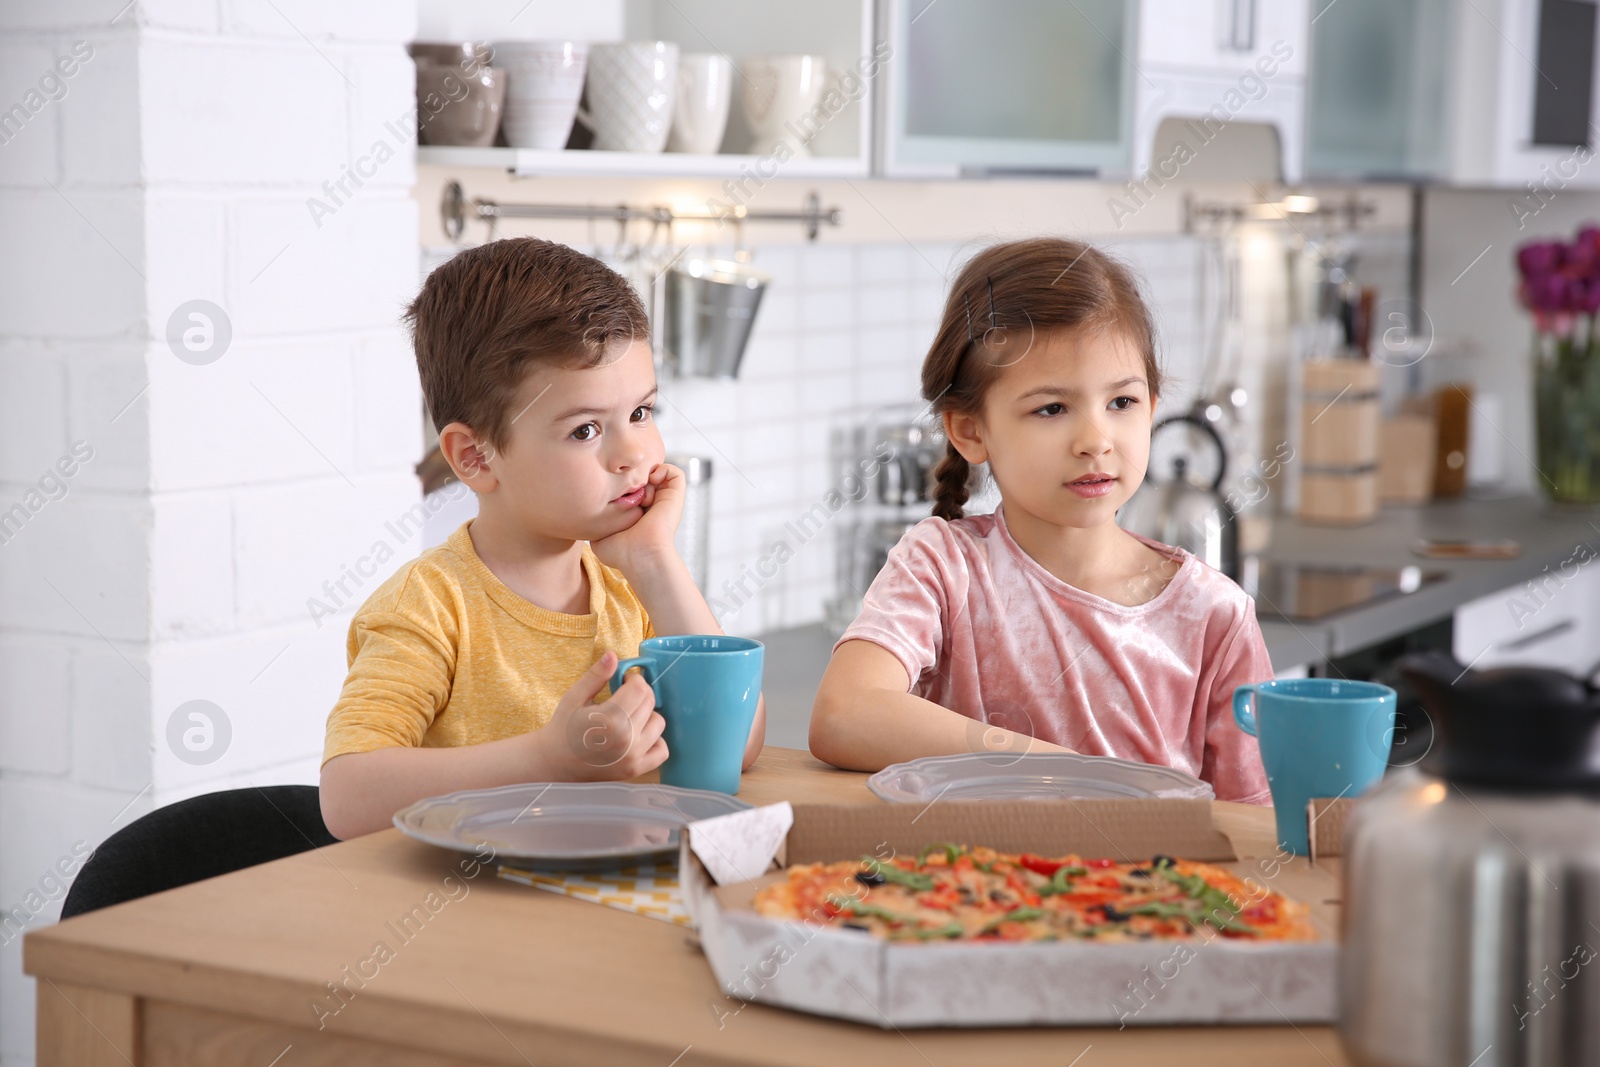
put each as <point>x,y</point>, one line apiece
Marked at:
<point>579,162</point>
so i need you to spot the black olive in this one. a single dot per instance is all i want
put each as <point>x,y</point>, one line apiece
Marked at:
<point>857,926</point>
<point>868,878</point>
<point>998,896</point>
<point>1162,861</point>
<point>1112,914</point>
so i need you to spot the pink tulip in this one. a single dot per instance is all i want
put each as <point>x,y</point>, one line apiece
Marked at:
<point>1540,257</point>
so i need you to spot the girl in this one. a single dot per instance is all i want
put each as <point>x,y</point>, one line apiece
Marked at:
<point>1044,626</point>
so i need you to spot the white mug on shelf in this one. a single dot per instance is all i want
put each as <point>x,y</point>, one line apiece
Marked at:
<point>700,114</point>
<point>544,81</point>
<point>778,92</point>
<point>632,86</point>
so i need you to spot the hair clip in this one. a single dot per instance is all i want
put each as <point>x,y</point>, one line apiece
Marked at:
<point>968,305</point>
<point>991,301</point>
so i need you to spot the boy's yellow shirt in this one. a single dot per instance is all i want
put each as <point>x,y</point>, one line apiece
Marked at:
<point>444,653</point>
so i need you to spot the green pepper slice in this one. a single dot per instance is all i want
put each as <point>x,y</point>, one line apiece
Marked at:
<point>1058,881</point>
<point>1163,910</point>
<point>1199,889</point>
<point>1015,915</point>
<point>949,929</point>
<point>890,873</point>
<point>872,911</point>
<point>1217,908</point>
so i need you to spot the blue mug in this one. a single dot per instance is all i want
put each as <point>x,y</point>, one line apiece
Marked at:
<point>707,687</point>
<point>1320,737</point>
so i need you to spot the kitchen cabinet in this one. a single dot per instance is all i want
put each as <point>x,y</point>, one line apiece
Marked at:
<point>978,86</point>
<point>1490,92</point>
<point>1550,621</point>
<point>841,31</point>
<point>1221,37</point>
<point>1376,103</point>
<point>1217,63</point>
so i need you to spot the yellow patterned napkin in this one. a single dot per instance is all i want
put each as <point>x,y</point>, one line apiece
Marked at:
<point>643,890</point>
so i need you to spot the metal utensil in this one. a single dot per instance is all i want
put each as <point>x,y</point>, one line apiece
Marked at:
<point>1179,512</point>
<point>903,480</point>
<point>710,307</point>
<point>694,526</point>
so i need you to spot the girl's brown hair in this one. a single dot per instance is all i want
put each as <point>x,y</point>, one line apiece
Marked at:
<point>1005,296</point>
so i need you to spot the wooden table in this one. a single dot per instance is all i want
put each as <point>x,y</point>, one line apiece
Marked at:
<point>229,971</point>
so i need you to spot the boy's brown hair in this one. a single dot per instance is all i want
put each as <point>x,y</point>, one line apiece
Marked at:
<point>487,316</point>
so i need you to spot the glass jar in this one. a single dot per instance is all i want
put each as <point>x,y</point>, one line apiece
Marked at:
<point>1566,403</point>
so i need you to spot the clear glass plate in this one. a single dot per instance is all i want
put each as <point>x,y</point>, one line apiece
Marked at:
<point>1042,776</point>
<point>564,825</point>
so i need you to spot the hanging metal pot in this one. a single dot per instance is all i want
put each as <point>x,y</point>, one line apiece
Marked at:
<point>710,307</point>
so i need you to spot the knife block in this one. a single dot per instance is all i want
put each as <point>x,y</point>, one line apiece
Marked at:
<point>1339,441</point>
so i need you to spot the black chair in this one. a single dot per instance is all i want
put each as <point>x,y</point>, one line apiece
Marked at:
<point>196,839</point>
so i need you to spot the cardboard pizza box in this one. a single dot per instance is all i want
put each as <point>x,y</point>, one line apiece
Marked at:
<point>849,974</point>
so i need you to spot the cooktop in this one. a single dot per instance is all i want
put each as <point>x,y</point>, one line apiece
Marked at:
<point>1316,590</point>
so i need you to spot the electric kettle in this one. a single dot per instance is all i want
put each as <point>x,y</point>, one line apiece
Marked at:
<point>1472,880</point>
<point>1180,512</point>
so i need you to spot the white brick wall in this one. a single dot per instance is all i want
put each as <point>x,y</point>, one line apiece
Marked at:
<point>175,564</point>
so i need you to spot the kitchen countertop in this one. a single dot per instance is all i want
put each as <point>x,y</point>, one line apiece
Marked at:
<point>1548,534</point>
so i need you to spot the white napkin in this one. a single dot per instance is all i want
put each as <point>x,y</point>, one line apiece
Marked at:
<point>739,847</point>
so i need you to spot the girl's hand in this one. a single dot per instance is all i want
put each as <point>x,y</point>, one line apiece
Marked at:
<point>651,537</point>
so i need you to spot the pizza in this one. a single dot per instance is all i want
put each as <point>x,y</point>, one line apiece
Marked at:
<point>953,892</point>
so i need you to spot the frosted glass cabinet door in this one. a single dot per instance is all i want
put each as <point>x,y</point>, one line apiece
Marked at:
<point>1009,84</point>
<point>1376,101</point>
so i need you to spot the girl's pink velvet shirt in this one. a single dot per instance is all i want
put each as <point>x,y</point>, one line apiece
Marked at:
<point>983,629</point>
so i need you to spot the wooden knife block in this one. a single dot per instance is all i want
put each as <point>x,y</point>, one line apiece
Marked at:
<point>1339,430</point>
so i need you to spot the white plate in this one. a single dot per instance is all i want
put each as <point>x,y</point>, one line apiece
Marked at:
<point>564,825</point>
<point>1042,776</point>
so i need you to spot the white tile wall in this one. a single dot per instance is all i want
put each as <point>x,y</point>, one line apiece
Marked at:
<point>176,563</point>
<point>841,330</point>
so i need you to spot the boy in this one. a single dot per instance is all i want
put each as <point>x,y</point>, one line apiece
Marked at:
<point>477,664</point>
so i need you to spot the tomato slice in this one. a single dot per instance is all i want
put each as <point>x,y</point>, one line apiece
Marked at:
<point>1265,912</point>
<point>1040,865</point>
<point>1099,865</point>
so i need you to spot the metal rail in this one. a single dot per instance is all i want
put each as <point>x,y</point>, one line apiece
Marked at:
<point>1346,214</point>
<point>456,209</point>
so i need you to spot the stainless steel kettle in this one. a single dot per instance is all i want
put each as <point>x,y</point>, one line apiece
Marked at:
<point>1472,881</point>
<point>1180,512</point>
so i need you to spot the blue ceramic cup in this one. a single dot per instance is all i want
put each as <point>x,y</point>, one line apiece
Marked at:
<point>706,687</point>
<point>1318,739</point>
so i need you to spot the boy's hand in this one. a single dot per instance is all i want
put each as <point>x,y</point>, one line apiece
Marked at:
<point>651,536</point>
<point>620,738</point>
